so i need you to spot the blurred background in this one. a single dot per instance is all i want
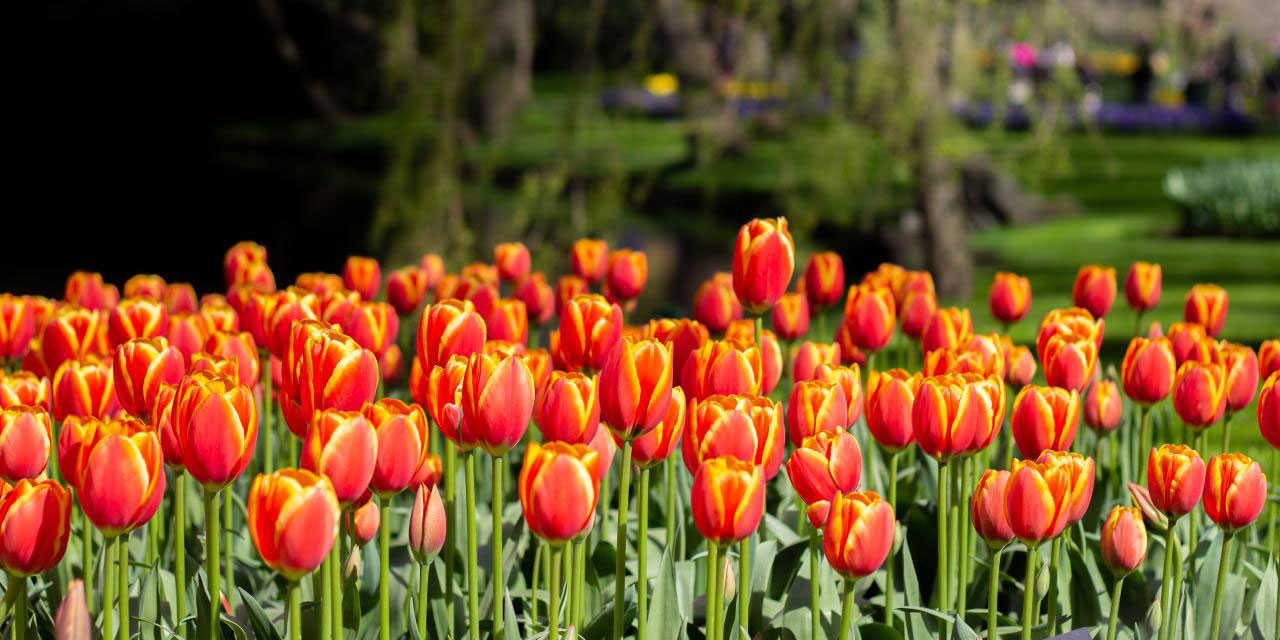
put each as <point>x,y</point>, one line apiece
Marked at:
<point>964,137</point>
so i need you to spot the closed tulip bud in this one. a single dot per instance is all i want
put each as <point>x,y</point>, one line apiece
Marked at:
<point>17,326</point>
<point>23,388</point>
<point>1045,418</point>
<point>187,333</point>
<point>1269,409</point>
<point>497,400</point>
<point>240,348</point>
<point>84,388</point>
<point>1037,501</point>
<point>218,314</point>
<point>1095,289</point>
<point>538,297</point>
<point>178,297</point>
<point>35,523</point>
<point>72,620</point>
<point>652,448</point>
<point>791,316</point>
<point>403,438</point>
<point>86,289</point>
<point>1124,540</point>
<point>745,427</point>
<point>1079,471</point>
<point>140,367</point>
<point>891,397</point>
<point>1068,346</point>
<point>989,509</point>
<point>949,327</point>
<point>215,422</point>
<point>722,368</point>
<point>1010,297</point>
<point>1269,358</point>
<point>449,328</point>
<point>362,522</point>
<point>121,478</point>
<point>917,310</point>
<point>1175,479</point>
<point>568,408</point>
<point>859,534</point>
<point>1242,374</point>
<point>627,273</point>
<point>1142,286</point>
<point>343,447</point>
<point>70,334</point>
<point>508,320</point>
<point>850,381</point>
<point>727,499</point>
<point>1206,306</point>
<point>569,287</point>
<point>716,305</point>
<point>293,520</point>
<point>362,275</point>
<point>869,316</point>
<point>406,288</point>
<point>1200,393</point>
<point>815,406</point>
<point>373,325</point>
<point>1103,406</point>
<point>427,523</point>
<point>1148,370</point>
<point>635,387</point>
<point>511,260</point>
<point>559,489</point>
<point>26,439</point>
<point>291,305</point>
<point>823,465</point>
<point>684,335</point>
<point>1235,491</point>
<point>242,253</point>
<point>589,259</point>
<point>763,261</point>
<point>824,279</point>
<point>809,356</point>
<point>953,412</point>
<point>144,286</point>
<point>1020,365</point>
<point>1189,341</point>
<point>590,327</point>
<point>137,318</point>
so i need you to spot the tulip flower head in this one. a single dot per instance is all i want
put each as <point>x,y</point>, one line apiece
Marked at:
<point>240,348</point>
<point>1103,406</point>
<point>850,380</point>
<point>891,396</point>
<point>1068,345</point>
<point>1200,393</point>
<point>26,389</point>
<point>538,297</point>
<point>343,447</point>
<point>916,311</point>
<point>120,473</point>
<point>362,522</point>
<point>1269,409</point>
<point>988,509</point>
<point>17,326</point>
<point>1235,491</point>
<point>1242,374</point>
<point>656,445</point>
<point>84,388</point>
<point>293,520</point>
<point>402,444</point>
<point>589,259</point>
<point>1191,342</point>
<point>858,534</point>
<point>508,320</point>
<point>684,335</point>
<point>723,368</point>
<point>1142,287</point>
<point>512,261</point>
<point>325,369</point>
<point>635,387</point>
<point>763,262</point>
<point>1206,305</point>
<point>26,440</point>
<point>869,316</point>
<point>427,524</point>
<point>217,313</point>
<point>745,427</point>
<point>957,413</point>
<point>88,290</point>
<point>1045,419</point>
<point>947,328</point>
<point>141,365</point>
<point>289,306</point>
<point>628,271</point>
<point>1175,479</point>
<point>240,254</point>
<point>727,499</point>
<point>1037,501</point>
<point>791,316</point>
<point>590,327</point>
<point>1095,289</point>
<point>1148,370</point>
<point>1269,358</point>
<point>1009,298</point>
<point>815,406</point>
<point>35,523</point>
<point>1019,365</point>
<point>215,422</point>
<point>559,490</point>
<point>406,288</point>
<point>362,275</point>
<point>448,328</point>
<point>822,466</point>
<point>181,297</point>
<point>71,333</point>
<point>1124,539</point>
<point>497,400</point>
<point>824,279</point>
<point>716,305</point>
<point>1079,471</point>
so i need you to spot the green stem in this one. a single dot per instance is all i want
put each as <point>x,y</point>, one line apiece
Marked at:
<point>213,533</point>
<point>1144,442</point>
<point>642,555</point>
<point>335,585</point>
<point>293,449</point>
<point>712,551</point>
<point>110,551</point>
<point>537,582</point>
<point>1115,608</point>
<point>669,484</point>
<point>846,616</point>
<point>122,589</point>
<point>571,592</point>
<point>580,574</point>
<point>890,568</point>
<point>1176,596</point>
<point>1029,592</point>
<point>424,583</point>
<point>86,559</point>
<point>326,599</point>
<point>384,568</point>
<point>943,571</point>
<point>473,570</point>
<point>815,616</point>
<point>953,537</point>
<point>1226,433</point>
<point>1223,569</point>
<point>993,587</point>
<point>1166,583</point>
<point>228,560</point>
<point>965,557</point>
<point>18,584</point>
<point>450,532</point>
<point>553,616</point>
<point>295,610</point>
<point>497,575</point>
<point>744,587</point>
<point>1053,585</point>
<point>268,460</point>
<point>620,557</point>
<point>722,560</point>
<point>179,550</point>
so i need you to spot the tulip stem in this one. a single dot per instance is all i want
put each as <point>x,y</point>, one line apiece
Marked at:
<point>424,584</point>
<point>123,588</point>
<point>335,581</point>
<point>1223,569</point>
<point>553,613</point>
<point>228,558</point>
<point>1115,607</point>
<point>890,569</point>
<point>964,571</point>
<point>295,610</point>
<point>993,588</point>
<point>450,533</point>
<point>713,550</point>
<point>473,571</point>
<point>326,600</point>
<point>268,460</point>
<point>642,555</point>
<point>1029,592</point>
<point>846,615</point>
<point>571,592</point>
<point>537,582</point>
<point>498,575</point>
<point>384,551</point>
<point>620,554</point>
<point>179,550</point>
<point>212,572</point>
<point>744,587</point>
<point>722,560</point>
<point>1144,446</point>
<point>1226,432</point>
<point>18,585</point>
<point>109,565</point>
<point>669,469</point>
<point>1053,585</point>
<point>943,572</point>
<point>815,615</point>
<point>580,579</point>
<point>86,559</point>
<point>1166,585</point>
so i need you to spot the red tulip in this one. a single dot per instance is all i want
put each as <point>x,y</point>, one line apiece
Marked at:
<point>403,438</point>
<point>859,534</point>
<point>1124,540</point>
<point>824,465</point>
<point>635,388</point>
<point>1242,374</point>
<point>324,369</point>
<point>362,523</point>
<point>334,305</point>
<point>1010,297</point>
<point>449,328</point>
<point>17,325</point>
<point>917,310</point>
<point>1175,479</point>
<point>1095,289</point>
<point>427,524</point>
<point>406,288</point>
<point>288,306</point>
<point>989,509</point>
<point>763,261</point>
<point>809,356</point>
<point>511,260</point>
<point>955,413</point>
<point>1269,409</point>
<point>1190,342</point>
<point>293,520</point>
<point>137,318</point>
<point>1148,370</point>
<point>590,327</point>
<point>604,445</point>
<point>447,287</point>
<point>443,394</point>
<point>727,499</point>
<point>568,409</point>
<point>654,447</point>
<point>1037,501</point>
<point>1269,358</point>
<point>240,348</point>
<point>716,305</point>
<point>850,380</point>
<point>589,259</point>
<point>508,320</point>
<point>161,413</point>
<point>815,407</point>
<point>559,490</point>
<point>869,316</point>
<point>218,314</point>
<point>1235,491</point>
<point>23,388</point>
<point>791,316</point>
<point>140,367</point>
<point>1200,393</point>
<point>1142,290</point>
<point>1206,306</point>
<point>88,290</point>
<point>70,334</point>
<point>891,396</point>
<point>627,273</point>
<point>433,266</point>
<point>1103,406</point>
<point>949,327</point>
<point>187,333</point>
<point>26,437</point>
<point>824,279</point>
<point>84,388</point>
<point>35,523</point>
<point>179,297</point>
<point>1044,419</point>
<point>744,427</point>
<point>722,368</point>
<point>144,286</point>
<point>569,287</point>
<point>1080,473</point>
<point>1019,364</point>
<point>684,335</point>
<point>240,254</point>
<point>1068,346</point>
<point>215,422</point>
<point>538,297</point>
<point>497,400</point>
<point>343,447</point>
<point>362,275</point>
<point>121,480</point>
<point>373,325</point>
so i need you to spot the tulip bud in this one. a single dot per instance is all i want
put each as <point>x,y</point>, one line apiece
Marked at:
<point>293,520</point>
<point>953,413</point>
<point>1148,370</point>
<point>511,260</point>
<point>722,368</point>
<point>791,316</point>
<point>35,522</point>
<point>140,367</point>
<point>215,422</point>
<point>988,509</point>
<point>652,448</point>
<point>891,396</point>
<point>1235,491</point>
<point>177,297</point>
<point>1095,289</point>
<point>763,261</point>
<point>23,388</point>
<point>120,474</point>
<point>72,620</point>
<point>1206,306</point>
<point>1175,479</point>
<point>88,290</point>
<point>824,279</point>
<point>432,265</point>
<point>1079,471</point>
<point>716,305</point>
<point>291,305</point>
<point>406,288</point>
<point>1142,287</point>
<point>1242,374</point>
<point>1269,409</point>
<point>1269,358</point>
<point>26,437</point>
<point>727,499</point>
<point>443,395</point>
<point>745,427</point>
<point>949,327</point>
<point>343,447</point>
<point>869,316</point>
<point>684,335</point>
<point>917,310</point>
<point>538,297</point>
<point>240,348</point>
<point>568,409</point>
<point>559,489</point>
<point>242,253</point>
<point>1045,418</point>
<point>17,326</point>
<point>1103,406</point>
<point>70,334</point>
<point>497,400</point>
<point>1068,345</point>
<point>823,465</point>
<point>448,328</point>
<point>362,523</point>
<point>627,273</point>
<point>1200,393</point>
<point>83,388</point>
<point>427,524</point>
<point>362,275</point>
<point>1124,540</point>
<point>187,333</point>
<point>1010,297</point>
<point>1037,501</point>
<point>402,446</point>
<point>858,534</point>
<point>815,407</point>
<point>1020,366</point>
<point>589,259</point>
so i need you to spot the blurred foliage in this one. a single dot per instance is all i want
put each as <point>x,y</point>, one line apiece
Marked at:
<point>1239,197</point>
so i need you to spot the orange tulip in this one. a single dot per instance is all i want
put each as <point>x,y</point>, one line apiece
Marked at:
<point>1242,374</point>
<point>684,335</point>
<point>824,465</point>
<point>84,388</point>
<point>569,287</point>
<point>70,334</point>
<point>403,438</point>
<point>240,348</point>
<point>1124,539</point>
<point>1269,358</point>
<point>292,304</point>
<point>568,408</point>
<point>322,284</point>
<point>293,520</point>
<point>989,510</point>
<point>161,413</point>
<point>983,362</point>
<point>589,259</point>
<point>791,316</point>
<point>1206,306</point>
<point>325,370</point>
<point>538,297</point>
<point>869,316</point>
<point>744,427</point>
<point>218,314</point>
<point>1068,346</point>
<point>144,286</point>
<point>334,305</point>
<point>1045,418</point>
<point>361,523</point>
<point>187,333</point>
<point>727,499</point>
<point>427,524</point>
<point>406,288</point>
<point>806,359</point>
<point>373,325</point>
<point>1103,406</point>
<point>35,523</point>
<point>1095,289</point>
<point>859,534</point>
<point>137,318</point>
<point>850,380</point>
<point>343,447</point>
<point>1235,491</point>
<point>391,365</point>
<point>42,309</point>
<point>743,334</point>
<point>635,387</point>
<point>26,437</point>
<point>1175,479</point>
<point>1200,393</point>
<point>178,297</point>
<point>1142,290</point>
<point>763,261</point>
<point>508,320</point>
<point>433,266</point>
<point>511,260</point>
<point>590,327</point>
<point>497,400</point>
<point>1019,365</point>
<point>85,289</point>
<point>559,489</point>
<point>891,397</point>
<point>949,327</point>
<point>140,367</point>
<point>17,326</point>
<point>917,310</point>
<point>1010,297</point>
<point>240,254</point>
<point>215,422</point>
<point>1037,501</point>
<point>443,394</point>
<point>449,328</point>
<point>1148,370</point>
<point>655,446</point>
<point>26,389</point>
<point>1079,471</point>
<point>722,368</point>
<point>815,406</point>
<point>362,275</point>
<point>627,273</point>
<point>824,279</point>
<point>121,478</point>
<point>954,413</point>
<point>1189,341</point>
<point>716,305</point>
<point>447,286</point>
<point>1269,409</point>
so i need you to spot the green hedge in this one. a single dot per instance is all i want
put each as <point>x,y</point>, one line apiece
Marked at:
<point>1236,197</point>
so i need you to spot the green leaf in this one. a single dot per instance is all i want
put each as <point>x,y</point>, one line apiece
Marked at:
<point>911,587</point>
<point>259,621</point>
<point>1264,616</point>
<point>879,631</point>
<point>964,631</point>
<point>665,621</point>
<point>1207,583</point>
<point>785,567</point>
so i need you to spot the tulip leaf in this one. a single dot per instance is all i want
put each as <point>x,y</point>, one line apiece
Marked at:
<point>263,628</point>
<point>880,631</point>
<point>1083,594</point>
<point>964,631</point>
<point>665,621</point>
<point>1264,616</point>
<point>911,588</point>
<point>1206,583</point>
<point>785,567</point>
